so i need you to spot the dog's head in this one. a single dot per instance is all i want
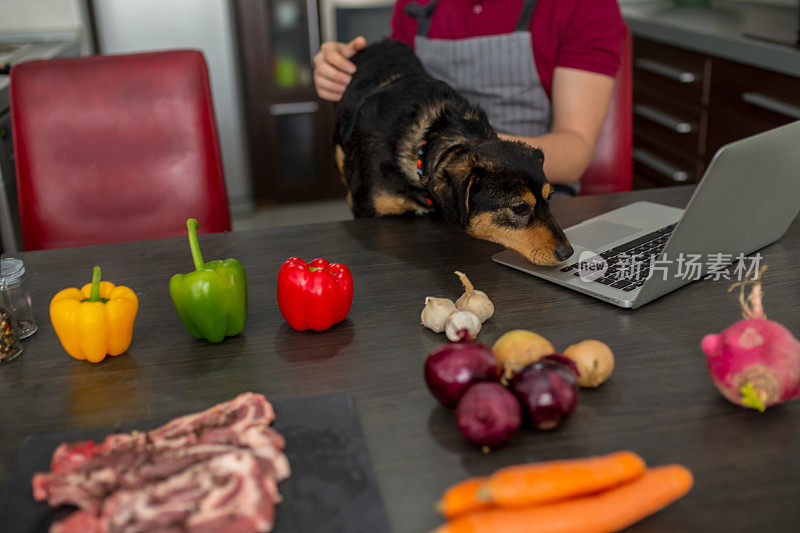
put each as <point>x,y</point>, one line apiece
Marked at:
<point>497,191</point>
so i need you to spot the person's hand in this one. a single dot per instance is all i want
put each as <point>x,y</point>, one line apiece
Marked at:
<point>332,70</point>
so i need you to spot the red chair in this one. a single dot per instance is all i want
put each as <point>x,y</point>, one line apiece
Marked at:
<point>611,169</point>
<point>115,148</point>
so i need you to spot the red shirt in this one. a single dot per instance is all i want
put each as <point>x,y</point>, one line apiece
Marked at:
<point>580,34</point>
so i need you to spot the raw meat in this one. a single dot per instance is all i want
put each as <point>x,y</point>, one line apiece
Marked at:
<point>216,470</point>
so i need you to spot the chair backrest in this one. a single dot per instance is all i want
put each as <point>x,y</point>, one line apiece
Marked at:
<point>611,169</point>
<point>115,148</point>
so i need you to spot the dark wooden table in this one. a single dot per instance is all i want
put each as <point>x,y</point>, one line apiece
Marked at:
<point>659,402</point>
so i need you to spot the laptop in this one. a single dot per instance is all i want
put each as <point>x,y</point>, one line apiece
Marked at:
<point>748,197</point>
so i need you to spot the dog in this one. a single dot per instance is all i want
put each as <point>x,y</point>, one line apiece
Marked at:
<point>405,142</point>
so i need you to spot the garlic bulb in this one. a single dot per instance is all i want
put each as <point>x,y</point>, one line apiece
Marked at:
<point>435,313</point>
<point>460,322</point>
<point>474,301</point>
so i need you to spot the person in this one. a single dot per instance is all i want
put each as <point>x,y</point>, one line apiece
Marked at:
<point>542,70</point>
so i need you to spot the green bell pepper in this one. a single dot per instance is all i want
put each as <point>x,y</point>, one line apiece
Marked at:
<point>211,301</point>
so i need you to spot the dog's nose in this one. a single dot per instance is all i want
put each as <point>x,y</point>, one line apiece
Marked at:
<point>563,252</point>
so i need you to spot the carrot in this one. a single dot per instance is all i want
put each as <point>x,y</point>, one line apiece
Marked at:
<point>538,483</point>
<point>461,498</point>
<point>611,510</point>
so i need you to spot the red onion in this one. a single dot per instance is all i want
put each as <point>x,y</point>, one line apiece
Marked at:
<point>549,390</point>
<point>455,366</point>
<point>488,414</point>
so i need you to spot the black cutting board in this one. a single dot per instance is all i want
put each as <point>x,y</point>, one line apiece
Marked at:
<point>332,487</point>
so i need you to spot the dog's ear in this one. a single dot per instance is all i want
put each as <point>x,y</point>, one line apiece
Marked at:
<point>462,177</point>
<point>462,200</point>
<point>453,183</point>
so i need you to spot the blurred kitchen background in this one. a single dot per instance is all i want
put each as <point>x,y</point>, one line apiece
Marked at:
<point>275,134</point>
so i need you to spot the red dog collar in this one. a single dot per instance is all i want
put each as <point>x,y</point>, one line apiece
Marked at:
<point>419,157</point>
<point>420,152</point>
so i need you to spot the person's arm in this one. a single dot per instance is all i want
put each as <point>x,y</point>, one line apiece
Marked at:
<point>580,102</point>
<point>332,68</point>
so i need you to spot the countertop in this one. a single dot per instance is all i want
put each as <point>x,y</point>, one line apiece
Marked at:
<point>740,32</point>
<point>659,402</point>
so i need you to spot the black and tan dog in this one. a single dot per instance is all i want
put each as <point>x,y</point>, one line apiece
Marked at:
<point>406,142</point>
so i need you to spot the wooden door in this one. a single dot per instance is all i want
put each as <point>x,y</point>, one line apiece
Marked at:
<point>289,128</point>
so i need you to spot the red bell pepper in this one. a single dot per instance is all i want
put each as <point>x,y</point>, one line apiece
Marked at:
<point>314,295</point>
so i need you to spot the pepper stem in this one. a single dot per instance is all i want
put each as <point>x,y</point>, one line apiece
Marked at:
<point>95,296</point>
<point>192,225</point>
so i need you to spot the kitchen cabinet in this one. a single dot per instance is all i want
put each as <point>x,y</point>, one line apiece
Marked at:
<point>289,129</point>
<point>748,100</point>
<point>686,105</point>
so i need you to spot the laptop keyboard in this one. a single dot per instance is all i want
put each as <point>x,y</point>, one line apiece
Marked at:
<point>645,248</point>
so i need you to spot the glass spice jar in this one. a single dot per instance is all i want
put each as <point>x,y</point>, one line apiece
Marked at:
<point>10,347</point>
<point>15,296</point>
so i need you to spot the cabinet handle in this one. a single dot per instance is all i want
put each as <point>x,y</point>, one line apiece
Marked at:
<point>664,168</point>
<point>667,71</point>
<point>771,104</point>
<point>296,108</point>
<point>662,119</point>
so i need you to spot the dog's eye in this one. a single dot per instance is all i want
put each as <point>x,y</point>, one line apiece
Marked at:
<point>521,209</point>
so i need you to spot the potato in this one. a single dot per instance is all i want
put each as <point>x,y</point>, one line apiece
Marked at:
<point>518,348</point>
<point>595,362</point>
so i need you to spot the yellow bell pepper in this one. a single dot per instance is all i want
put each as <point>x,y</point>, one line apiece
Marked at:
<point>95,321</point>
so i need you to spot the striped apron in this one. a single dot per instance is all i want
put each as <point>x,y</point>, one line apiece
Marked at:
<point>497,72</point>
